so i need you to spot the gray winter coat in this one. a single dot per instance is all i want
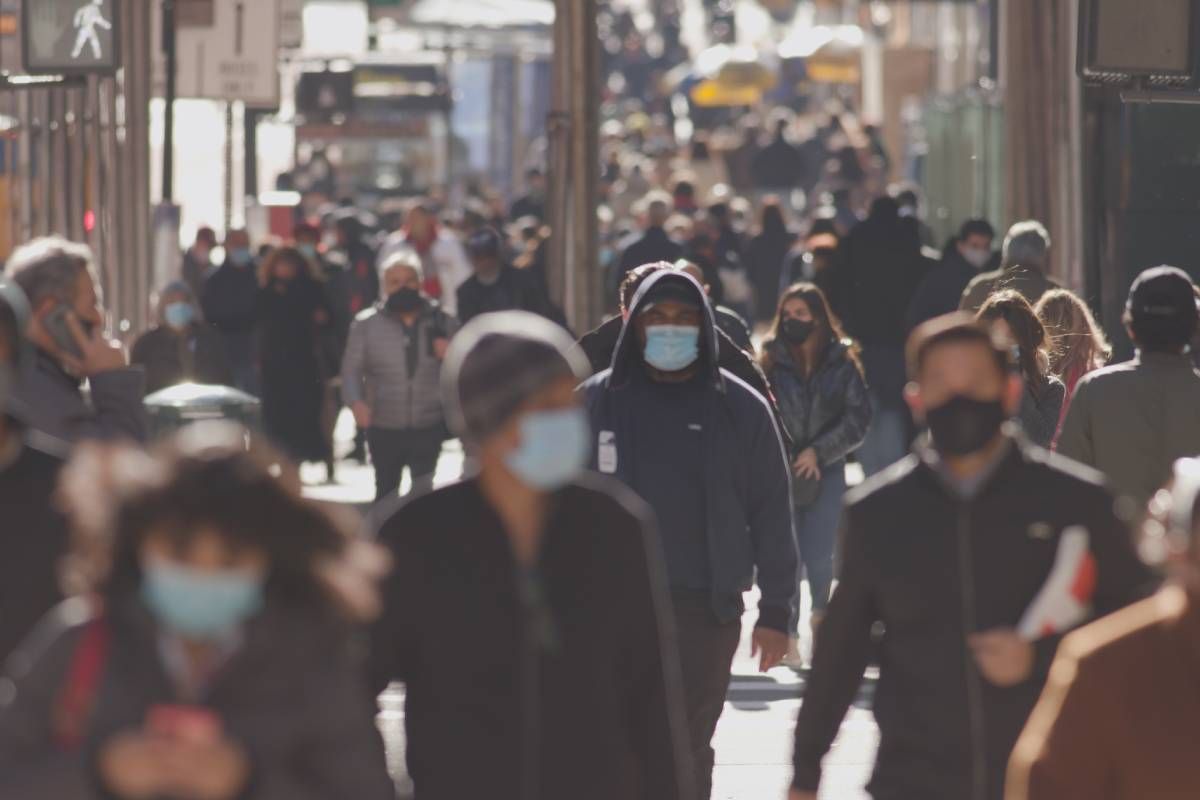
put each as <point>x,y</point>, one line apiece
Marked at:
<point>51,401</point>
<point>291,695</point>
<point>375,368</point>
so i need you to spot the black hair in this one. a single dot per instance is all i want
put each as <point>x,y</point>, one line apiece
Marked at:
<point>976,226</point>
<point>1165,334</point>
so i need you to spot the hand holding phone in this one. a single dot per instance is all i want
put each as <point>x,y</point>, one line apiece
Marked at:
<point>82,347</point>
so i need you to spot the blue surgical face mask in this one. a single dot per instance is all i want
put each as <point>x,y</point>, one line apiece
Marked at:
<point>554,448</point>
<point>200,604</point>
<point>241,257</point>
<point>179,315</point>
<point>672,348</point>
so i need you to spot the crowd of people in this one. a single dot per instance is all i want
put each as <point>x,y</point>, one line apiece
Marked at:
<point>177,620</point>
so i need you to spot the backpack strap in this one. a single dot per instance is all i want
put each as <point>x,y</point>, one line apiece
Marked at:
<point>77,698</point>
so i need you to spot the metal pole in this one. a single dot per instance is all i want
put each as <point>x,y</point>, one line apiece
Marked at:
<point>250,147</point>
<point>228,165</point>
<point>170,51</point>
<point>586,284</point>
<point>558,135</point>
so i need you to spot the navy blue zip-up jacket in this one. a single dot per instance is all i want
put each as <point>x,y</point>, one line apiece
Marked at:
<point>747,491</point>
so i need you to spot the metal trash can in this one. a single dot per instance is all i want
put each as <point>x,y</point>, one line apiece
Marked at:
<point>177,406</point>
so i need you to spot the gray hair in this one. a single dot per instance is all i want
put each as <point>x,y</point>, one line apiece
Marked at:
<point>1026,245</point>
<point>50,267</point>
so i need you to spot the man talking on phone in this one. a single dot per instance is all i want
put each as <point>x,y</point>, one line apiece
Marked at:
<point>66,328</point>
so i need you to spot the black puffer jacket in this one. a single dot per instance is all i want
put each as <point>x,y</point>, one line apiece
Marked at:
<point>828,411</point>
<point>934,568</point>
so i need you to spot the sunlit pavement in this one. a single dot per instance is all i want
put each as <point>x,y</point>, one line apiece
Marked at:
<point>754,739</point>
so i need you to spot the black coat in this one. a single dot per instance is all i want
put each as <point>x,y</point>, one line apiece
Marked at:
<point>764,259</point>
<point>230,299</point>
<point>169,358</point>
<point>779,165</point>
<point>884,265</point>
<point>746,483</point>
<point>292,695</point>
<point>494,657</point>
<point>516,290</point>
<point>933,568</point>
<point>33,538</point>
<point>942,288</point>
<point>292,380</point>
<point>653,247</point>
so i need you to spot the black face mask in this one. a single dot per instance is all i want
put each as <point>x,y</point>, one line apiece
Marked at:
<point>797,331</point>
<point>404,301</point>
<point>963,425</point>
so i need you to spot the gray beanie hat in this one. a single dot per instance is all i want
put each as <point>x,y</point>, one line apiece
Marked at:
<point>496,362</point>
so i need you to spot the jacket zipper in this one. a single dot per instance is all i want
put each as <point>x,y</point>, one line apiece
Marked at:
<point>974,687</point>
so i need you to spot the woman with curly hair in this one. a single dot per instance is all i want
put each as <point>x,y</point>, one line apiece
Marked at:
<point>206,652</point>
<point>1045,394</point>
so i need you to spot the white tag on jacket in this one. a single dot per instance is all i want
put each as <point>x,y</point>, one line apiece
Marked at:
<point>606,457</point>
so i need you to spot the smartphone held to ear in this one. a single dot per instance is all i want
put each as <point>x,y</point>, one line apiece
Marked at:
<point>57,326</point>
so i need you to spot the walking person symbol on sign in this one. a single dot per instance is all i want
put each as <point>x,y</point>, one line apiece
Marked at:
<point>87,19</point>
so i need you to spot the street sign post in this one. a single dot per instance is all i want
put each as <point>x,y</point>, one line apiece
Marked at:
<point>291,24</point>
<point>70,37</point>
<point>236,58</point>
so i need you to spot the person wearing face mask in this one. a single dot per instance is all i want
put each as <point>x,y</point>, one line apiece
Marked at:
<point>817,379</point>
<point>1024,267</point>
<point>444,262</point>
<point>197,261</point>
<point>70,350</point>
<point>965,257</point>
<point>497,285</point>
<point>950,550</point>
<point>391,377</point>
<point>1088,738</point>
<point>180,348</point>
<point>336,286</point>
<point>207,649</point>
<point>230,304</point>
<point>34,534</point>
<point>515,587</point>
<point>292,313</point>
<point>703,450</point>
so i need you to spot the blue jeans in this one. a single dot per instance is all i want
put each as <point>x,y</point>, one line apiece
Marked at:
<point>816,535</point>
